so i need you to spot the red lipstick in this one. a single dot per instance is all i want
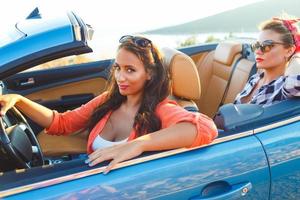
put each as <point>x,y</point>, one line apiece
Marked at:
<point>258,60</point>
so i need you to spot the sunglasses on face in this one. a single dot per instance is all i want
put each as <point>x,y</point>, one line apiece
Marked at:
<point>265,46</point>
<point>138,41</point>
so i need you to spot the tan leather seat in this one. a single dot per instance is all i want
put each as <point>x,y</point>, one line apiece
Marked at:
<point>53,145</point>
<point>293,65</point>
<point>239,79</point>
<point>214,72</point>
<point>184,78</point>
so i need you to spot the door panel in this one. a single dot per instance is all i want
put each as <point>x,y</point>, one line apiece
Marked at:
<point>223,169</point>
<point>69,95</point>
<point>282,147</point>
<point>62,88</point>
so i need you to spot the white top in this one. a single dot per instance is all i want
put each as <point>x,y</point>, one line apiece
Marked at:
<point>100,143</point>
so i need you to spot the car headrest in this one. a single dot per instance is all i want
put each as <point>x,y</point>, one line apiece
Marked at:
<point>226,51</point>
<point>183,72</point>
<point>293,65</point>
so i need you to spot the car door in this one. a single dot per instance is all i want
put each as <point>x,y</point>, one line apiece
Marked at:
<point>61,88</point>
<point>233,167</point>
<point>282,146</point>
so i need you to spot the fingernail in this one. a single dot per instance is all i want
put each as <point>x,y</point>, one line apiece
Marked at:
<point>87,161</point>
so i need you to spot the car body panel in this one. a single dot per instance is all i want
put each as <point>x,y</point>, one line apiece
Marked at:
<point>282,146</point>
<point>43,43</point>
<point>179,176</point>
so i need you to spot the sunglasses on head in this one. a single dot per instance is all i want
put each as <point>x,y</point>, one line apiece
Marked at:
<point>139,41</point>
<point>265,46</point>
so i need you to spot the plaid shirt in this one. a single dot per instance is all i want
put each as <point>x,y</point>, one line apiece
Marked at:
<point>282,88</point>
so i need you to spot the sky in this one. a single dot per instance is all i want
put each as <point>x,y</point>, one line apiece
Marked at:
<point>138,15</point>
<point>120,17</point>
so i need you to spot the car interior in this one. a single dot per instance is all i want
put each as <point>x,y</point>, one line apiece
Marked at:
<point>57,150</point>
<point>205,82</point>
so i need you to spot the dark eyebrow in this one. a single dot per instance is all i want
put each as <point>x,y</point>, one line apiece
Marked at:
<point>117,65</point>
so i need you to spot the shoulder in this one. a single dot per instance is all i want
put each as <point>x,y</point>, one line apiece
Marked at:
<point>102,97</point>
<point>258,75</point>
<point>293,76</point>
<point>167,108</point>
<point>165,104</point>
<point>98,100</point>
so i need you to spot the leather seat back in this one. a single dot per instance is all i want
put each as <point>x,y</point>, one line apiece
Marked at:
<point>241,74</point>
<point>214,72</point>
<point>184,78</point>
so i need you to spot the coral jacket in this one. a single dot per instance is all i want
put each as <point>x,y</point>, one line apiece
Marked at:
<point>168,111</point>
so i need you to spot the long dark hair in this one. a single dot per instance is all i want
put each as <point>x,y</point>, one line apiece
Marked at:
<point>156,89</point>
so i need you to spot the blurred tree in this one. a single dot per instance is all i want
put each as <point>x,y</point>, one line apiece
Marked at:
<point>211,38</point>
<point>61,62</point>
<point>189,41</point>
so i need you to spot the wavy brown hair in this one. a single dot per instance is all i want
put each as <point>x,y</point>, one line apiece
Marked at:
<point>156,89</point>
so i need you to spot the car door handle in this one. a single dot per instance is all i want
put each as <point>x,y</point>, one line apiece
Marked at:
<point>27,82</point>
<point>232,192</point>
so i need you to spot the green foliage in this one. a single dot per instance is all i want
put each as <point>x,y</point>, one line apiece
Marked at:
<point>192,40</point>
<point>189,42</point>
<point>211,38</point>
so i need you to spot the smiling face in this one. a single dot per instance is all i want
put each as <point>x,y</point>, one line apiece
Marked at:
<point>130,73</point>
<point>278,54</point>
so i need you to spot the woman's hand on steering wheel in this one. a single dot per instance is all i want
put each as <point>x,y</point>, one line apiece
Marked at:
<point>7,101</point>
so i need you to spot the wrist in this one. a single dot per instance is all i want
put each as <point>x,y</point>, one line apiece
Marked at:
<point>18,99</point>
<point>143,143</point>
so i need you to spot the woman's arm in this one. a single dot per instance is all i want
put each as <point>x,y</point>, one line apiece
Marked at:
<point>179,135</point>
<point>291,87</point>
<point>38,113</point>
<point>180,128</point>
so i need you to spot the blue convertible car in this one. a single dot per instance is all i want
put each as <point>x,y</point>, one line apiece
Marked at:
<point>256,155</point>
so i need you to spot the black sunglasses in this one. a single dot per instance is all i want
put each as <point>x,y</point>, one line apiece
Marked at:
<point>265,46</point>
<point>139,41</point>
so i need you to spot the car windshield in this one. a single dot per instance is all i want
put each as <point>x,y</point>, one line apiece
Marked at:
<point>10,36</point>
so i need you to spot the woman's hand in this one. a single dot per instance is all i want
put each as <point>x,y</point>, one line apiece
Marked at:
<point>116,153</point>
<point>7,102</point>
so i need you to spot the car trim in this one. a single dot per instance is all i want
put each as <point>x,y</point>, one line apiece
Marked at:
<point>90,172</point>
<point>194,50</point>
<point>76,26</point>
<point>277,124</point>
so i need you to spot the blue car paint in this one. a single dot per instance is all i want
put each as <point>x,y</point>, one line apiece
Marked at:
<point>58,33</point>
<point>175,177</point>
<point>282,146</point>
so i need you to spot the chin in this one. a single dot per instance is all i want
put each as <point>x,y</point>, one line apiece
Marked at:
<point>260,66</point>
<point>123,93</point>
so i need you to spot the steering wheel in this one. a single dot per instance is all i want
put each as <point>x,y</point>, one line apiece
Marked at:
<point>20,145</point>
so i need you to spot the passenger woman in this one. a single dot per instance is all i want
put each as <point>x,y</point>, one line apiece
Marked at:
<point>132,116</point>
<point>278,41</point>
